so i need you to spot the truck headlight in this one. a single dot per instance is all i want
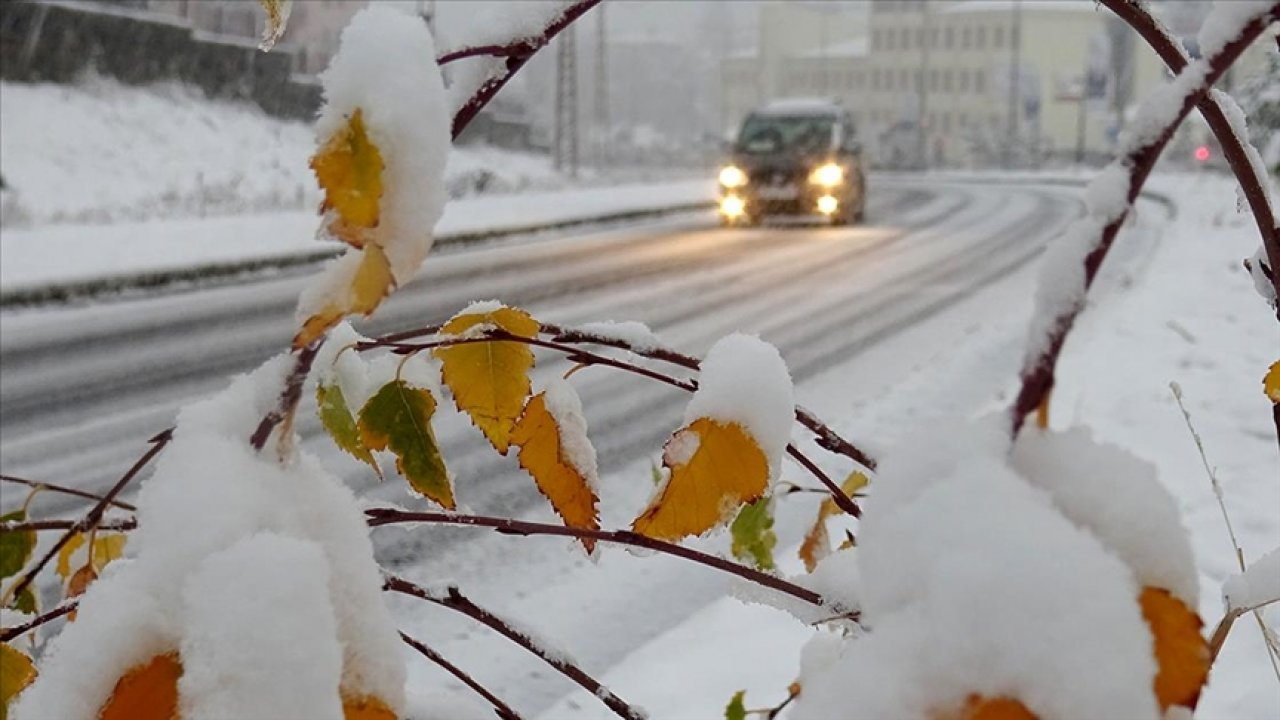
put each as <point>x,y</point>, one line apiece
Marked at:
<point>732,176</point>
<point>828,175</point>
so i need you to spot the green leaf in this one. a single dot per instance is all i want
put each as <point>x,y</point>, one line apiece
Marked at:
<point>398,417</point>
<point>736,710</point>
<point>15,547</point>
<point>336,418</point>
<point>26,602</point>
<point>753,536</point>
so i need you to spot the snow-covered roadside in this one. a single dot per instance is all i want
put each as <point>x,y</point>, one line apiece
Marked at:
<point>1175,306</point>
<point>59,254</point>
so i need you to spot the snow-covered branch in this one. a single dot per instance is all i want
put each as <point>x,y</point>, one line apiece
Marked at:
<point>1073,260</point>
<point>1225,119</point>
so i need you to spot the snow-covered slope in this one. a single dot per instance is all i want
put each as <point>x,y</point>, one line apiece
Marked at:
<point>100,151</point>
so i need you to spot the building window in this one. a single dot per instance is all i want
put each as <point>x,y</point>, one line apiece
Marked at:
<point>997,36</point>
<point>918,80</point>
<point>919,37</point>
<point>948,38</point>
<point>902,79</point>
<point>946,122</point>
<point>979,81</point>
<point>933,79</point>
<point>946,81</point>
<point>963,80</point>
<point>980,37</point>
<point>966,38</point>
<point>888,40</point>
<point>875,40</point>
<point>933,37</point>
<point>875,79</point>
<point>905,38</point>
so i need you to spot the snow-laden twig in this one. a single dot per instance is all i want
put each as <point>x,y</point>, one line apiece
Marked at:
<point>1072,262</point>
<point>453,599</point>
<point>1224,626</point>
<point>120,525</point>
<point>561,341</point>
<point>503,710</point>
<point>63,490</point>
<point>92,518</point>
<point>1217,108</point>
<point>508,526</point>
<point>9,633</point>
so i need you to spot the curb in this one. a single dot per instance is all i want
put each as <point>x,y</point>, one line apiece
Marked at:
<point>141,283</point>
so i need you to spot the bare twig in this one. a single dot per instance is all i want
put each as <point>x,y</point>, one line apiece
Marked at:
<point>9,633</point>
<point>453,599</point>
<point>508,526</point>
<point>1210,106</point>
<point>503,710</point>
<point>94,516</point>
<point>1037,374</point>
<point>51,487</point>
<point>1220,632</point>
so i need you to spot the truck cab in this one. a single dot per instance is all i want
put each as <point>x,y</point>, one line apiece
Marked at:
<point>794,157</point>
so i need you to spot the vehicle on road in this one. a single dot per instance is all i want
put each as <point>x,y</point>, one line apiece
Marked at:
<point>794,157</point>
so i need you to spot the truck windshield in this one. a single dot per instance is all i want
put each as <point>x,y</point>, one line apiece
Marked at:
<point>765,134</point>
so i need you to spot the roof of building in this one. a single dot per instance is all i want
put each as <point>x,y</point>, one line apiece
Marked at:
<point>848,48</point>
<point>975,6</point>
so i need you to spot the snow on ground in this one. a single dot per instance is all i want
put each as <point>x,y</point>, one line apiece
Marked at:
<point>102,152</point>
<point>1175,305</point>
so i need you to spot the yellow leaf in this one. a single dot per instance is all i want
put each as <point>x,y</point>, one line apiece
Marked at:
<point>715,468</point>
<point>816,544</point>
<point>542,453</point>
<point>349,168</point>
<point>366,708</point>
<point>490,380</point>
<point>16,673</point>
<point>147,692</point>
<point>106,547</point>
<point>1271,383</point>
<point>371,282</point>
<point>1182,655</point>
<point>977,707</point>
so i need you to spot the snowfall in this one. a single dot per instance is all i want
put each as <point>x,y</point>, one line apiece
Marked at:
<point>1174,308</point>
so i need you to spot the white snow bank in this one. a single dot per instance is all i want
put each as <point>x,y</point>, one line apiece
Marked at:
<point>1257,585</point>
<point>744,380</point>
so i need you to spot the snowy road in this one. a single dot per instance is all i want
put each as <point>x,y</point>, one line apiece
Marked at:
<point>82,388</point>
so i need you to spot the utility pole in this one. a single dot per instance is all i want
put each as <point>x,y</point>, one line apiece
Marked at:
<point>1015,83</point>
<point>565,150</point>
<point>602,90</point>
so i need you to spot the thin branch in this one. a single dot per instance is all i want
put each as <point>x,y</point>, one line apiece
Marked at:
<point>455,600</point>
<point>585,357</point>
<point>289,396</point>
<point>63,490</point>
<point>503,710</point>
<point>508,526</point>
<point>94,516</point>
<point>1038,372</point>
<point>513,63</point>
<point>1211,107</point>
<point>9,633</point>
<point>121,525</point>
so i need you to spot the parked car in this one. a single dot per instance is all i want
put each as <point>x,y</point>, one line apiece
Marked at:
<point>794,157</point>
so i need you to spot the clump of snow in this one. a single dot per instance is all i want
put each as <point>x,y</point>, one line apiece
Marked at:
<point>210,493</point>
<point>504,24</point>
<point>1118,498</point>
<point>565,407</point>
<point>635,334</point>
<point>379,71</point>
<point>766,411</point>
<point>480,307</point>
<point>1240,128</point>
<point>972,582</point>
<point>1258,271</point>
<point>337,362</point>
<point>1259,584</point>
<point>1162,105</point>
<point>680,449</point>
<point>259,635</point>
<point>836,579</point>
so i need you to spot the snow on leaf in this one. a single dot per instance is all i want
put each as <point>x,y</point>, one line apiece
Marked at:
<point>816,544</point>
<point>336,418</point>
<point>366,708</point>
<point>349,169</point>
<point>398,418</point>
<point>1271,383</point>
<point>16,673</point>
<point>146,692</point>
<point>736,710</point>
<point>277,19</point>
<point>715,468</point>
<point>753,536</point>
<point>490,380</point>
<point>542,441</point>
<point>1182,655</point>
<point>15,547</point>
<point>362,280</point>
